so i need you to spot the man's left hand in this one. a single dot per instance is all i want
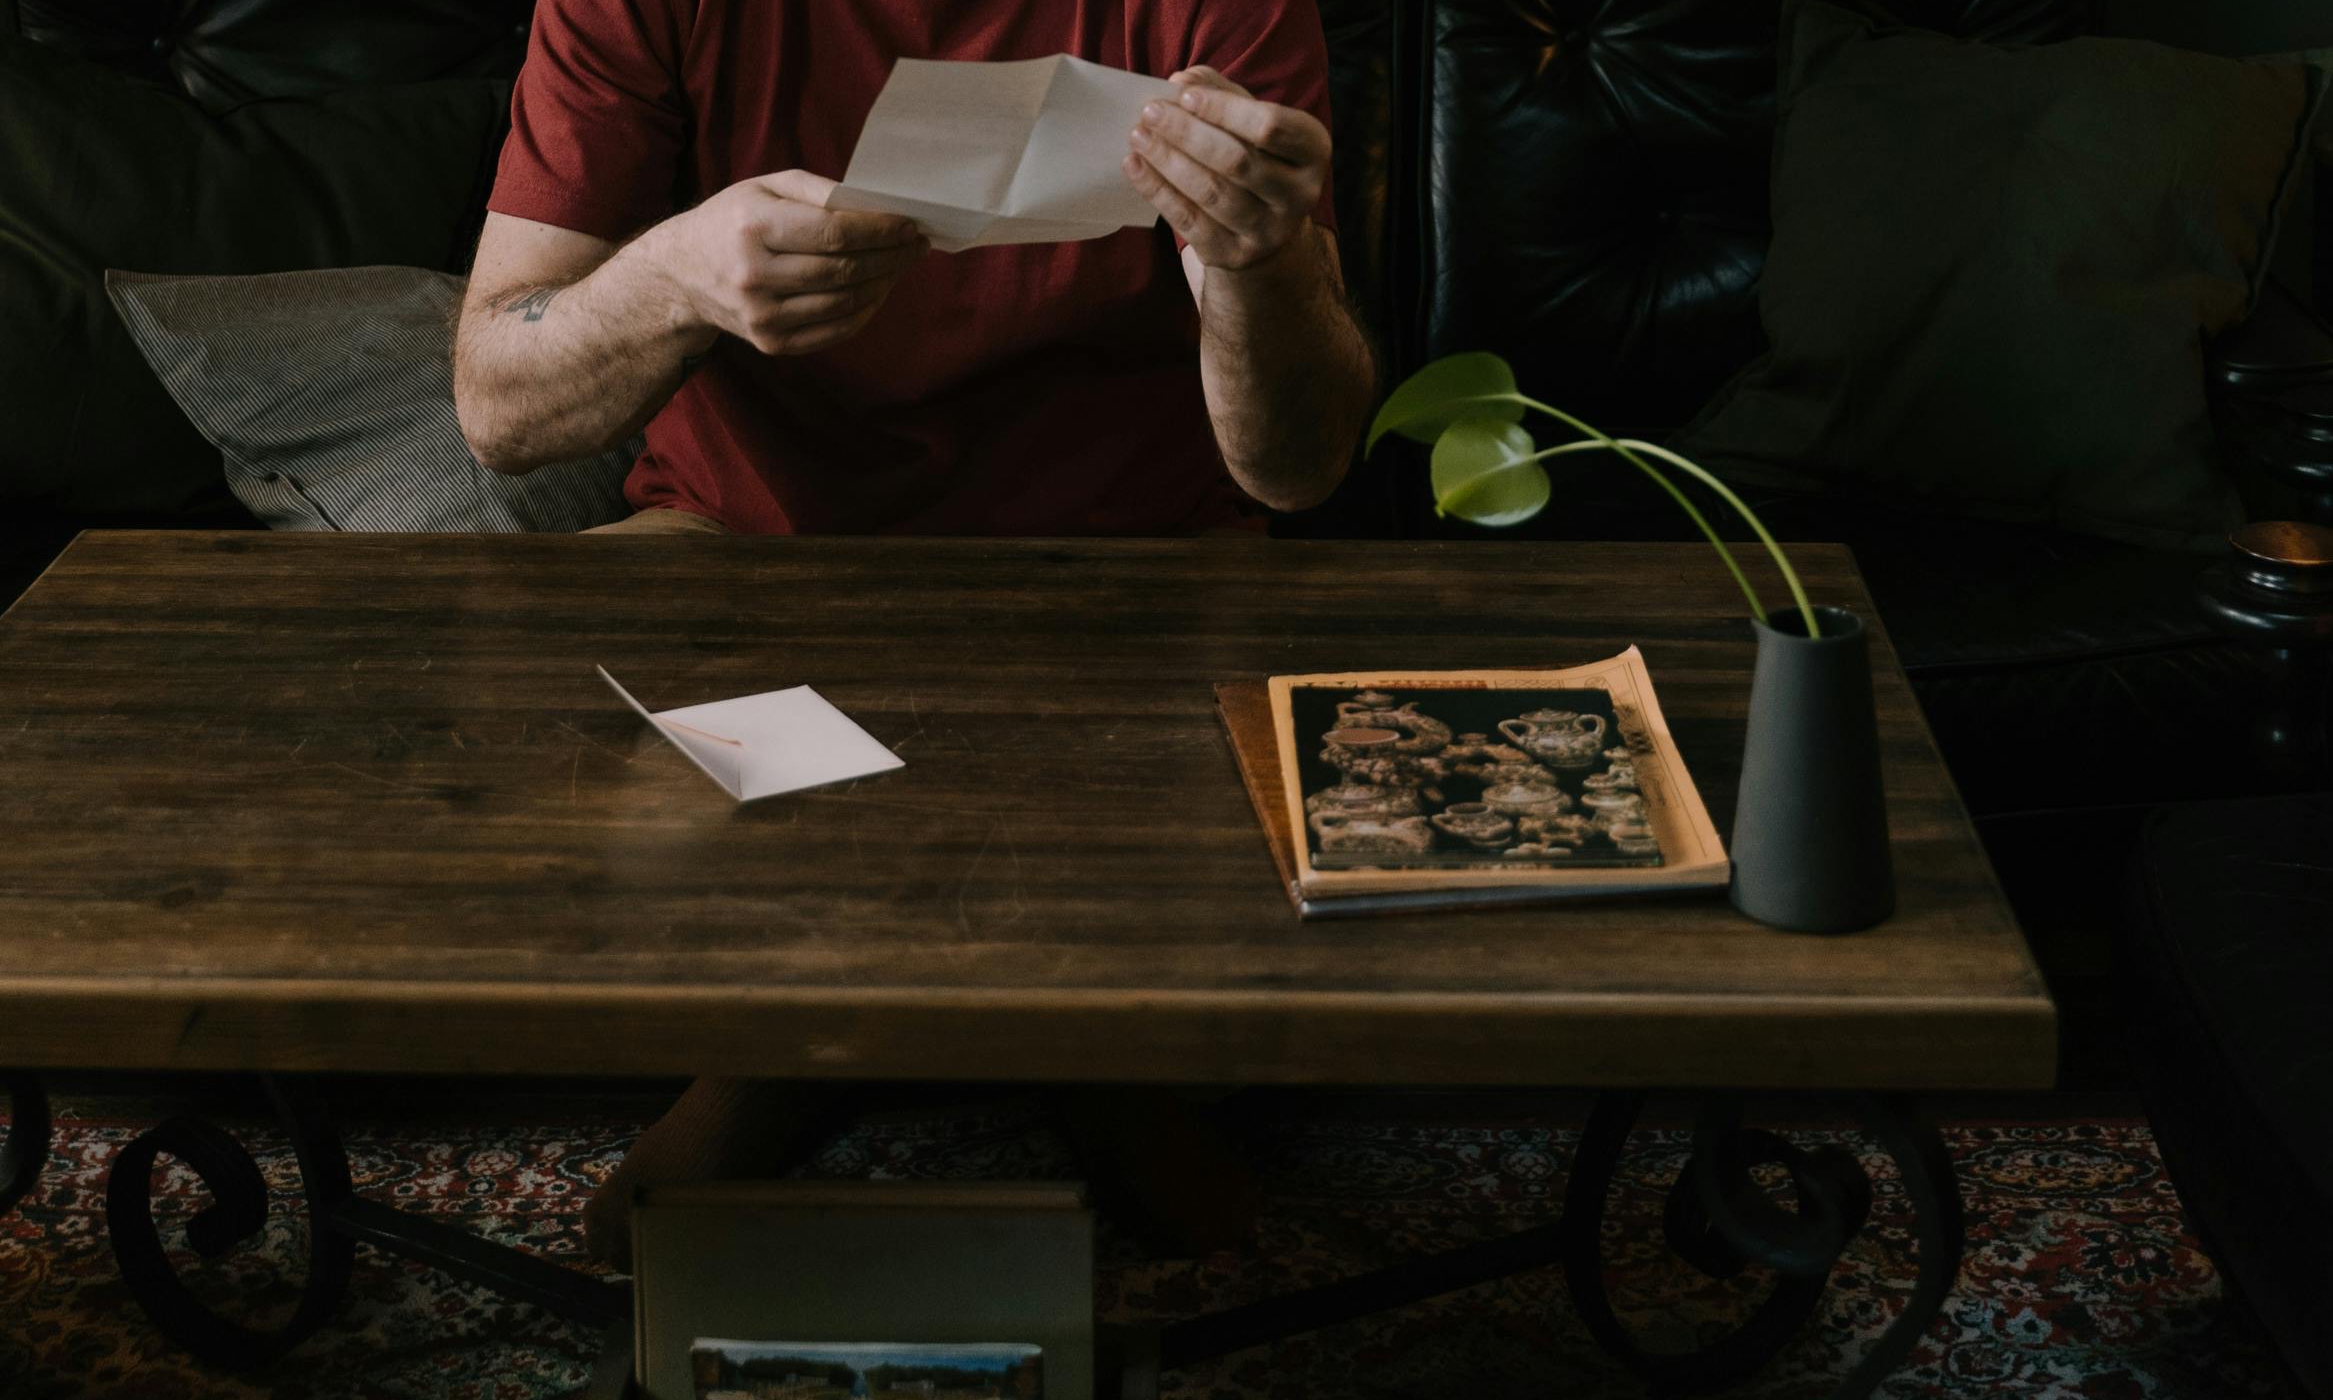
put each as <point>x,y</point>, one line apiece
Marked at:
<point>1236,176</point>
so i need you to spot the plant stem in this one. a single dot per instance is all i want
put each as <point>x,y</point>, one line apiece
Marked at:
<point>1660,479</point>
<point>1598,439</point>
<point>1806,608</point>
<point>1757,526</point>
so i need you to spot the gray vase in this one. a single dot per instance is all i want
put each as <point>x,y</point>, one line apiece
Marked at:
<point>1810,829</point>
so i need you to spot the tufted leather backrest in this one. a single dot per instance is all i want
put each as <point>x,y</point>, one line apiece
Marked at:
<point>1369,86</point>
<point>1578,184</point>
<point>1596,186</point>
<point>224,52</point>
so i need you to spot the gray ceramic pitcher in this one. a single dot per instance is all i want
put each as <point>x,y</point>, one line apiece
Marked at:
<point>1810,829</point>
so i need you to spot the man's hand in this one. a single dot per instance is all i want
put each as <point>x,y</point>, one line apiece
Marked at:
<point>1236,176</point>
<point>766,261</point>
<point>1286,371</point>
<point>570,343</point>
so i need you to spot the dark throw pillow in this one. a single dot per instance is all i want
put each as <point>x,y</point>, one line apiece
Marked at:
<point>331,395</point>
<point>99,171</point>
<point>1995,270</point>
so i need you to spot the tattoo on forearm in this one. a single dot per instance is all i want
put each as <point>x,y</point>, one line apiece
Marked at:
<point>529,304</point>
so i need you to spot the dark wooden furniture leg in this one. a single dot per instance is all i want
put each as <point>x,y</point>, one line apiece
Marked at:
<point>2274,593</point>
<point>337,1219</point>
<point>25,1149</point>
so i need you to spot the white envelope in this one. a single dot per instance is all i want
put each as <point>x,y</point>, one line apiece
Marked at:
<point>763,745</point>
<point>985,154</point>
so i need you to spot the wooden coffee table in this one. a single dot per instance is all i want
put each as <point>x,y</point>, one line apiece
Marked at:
<point>297,803</point>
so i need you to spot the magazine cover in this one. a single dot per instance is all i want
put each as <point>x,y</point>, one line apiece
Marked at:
<point>962,1290</point>
<point>1467,779</point>
<point>733,1370</point>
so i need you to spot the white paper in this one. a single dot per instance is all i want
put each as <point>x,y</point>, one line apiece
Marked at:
<point>762,745</point>
<point>985,154</point>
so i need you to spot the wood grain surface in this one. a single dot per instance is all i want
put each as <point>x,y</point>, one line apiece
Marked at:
<point>346,802</point>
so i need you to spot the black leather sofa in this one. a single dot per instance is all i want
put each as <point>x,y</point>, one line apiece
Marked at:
<point>1583,187</point>
<point>2226,976</point>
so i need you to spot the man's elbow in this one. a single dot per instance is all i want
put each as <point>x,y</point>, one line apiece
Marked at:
<point>1316,494</point>
<point>1329,474</point>
<point>1313,490</point>
<point>485,433</point>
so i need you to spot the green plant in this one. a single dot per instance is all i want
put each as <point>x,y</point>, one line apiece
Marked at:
<point>1487,466</point>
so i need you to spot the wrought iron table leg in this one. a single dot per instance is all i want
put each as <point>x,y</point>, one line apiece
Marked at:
<point>338,1218</point>
<point>1721,1220</point>
<point>1718,1217</point>
<point>25,1150</point>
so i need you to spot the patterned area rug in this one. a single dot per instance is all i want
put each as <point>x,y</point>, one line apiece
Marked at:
<point>2081,1279</point>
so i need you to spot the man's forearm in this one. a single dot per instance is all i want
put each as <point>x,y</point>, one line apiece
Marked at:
<point>1288,373</point>
<point>548,373</point>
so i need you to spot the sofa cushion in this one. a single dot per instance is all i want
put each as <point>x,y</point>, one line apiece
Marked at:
<point>1994,270</point>
<point>100,171</point>
<point>331,395</point>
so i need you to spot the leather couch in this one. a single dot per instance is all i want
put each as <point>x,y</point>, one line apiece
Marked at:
<point>1582,185</point>
<point>2226,978</point>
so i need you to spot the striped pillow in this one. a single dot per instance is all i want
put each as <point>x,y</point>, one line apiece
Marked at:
<point>331,395</point>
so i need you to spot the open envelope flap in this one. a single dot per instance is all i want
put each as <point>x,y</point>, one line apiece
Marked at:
<point>788,740</point>
<point>1073,169</point>
<point>766,744</point>
<point>723,763</point>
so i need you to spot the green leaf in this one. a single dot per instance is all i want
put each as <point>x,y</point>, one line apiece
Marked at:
<point>1478,385</point>
<point>1484,472</point>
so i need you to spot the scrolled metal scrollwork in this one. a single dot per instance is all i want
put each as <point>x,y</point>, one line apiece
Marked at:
<point>1720,1218</point>
<point>24,1150</point>
<point>237,1213</point>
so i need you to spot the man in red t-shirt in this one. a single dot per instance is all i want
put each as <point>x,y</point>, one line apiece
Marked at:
<point>658,254</point>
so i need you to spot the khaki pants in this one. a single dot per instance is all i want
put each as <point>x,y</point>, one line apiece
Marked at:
<point>661,520</point>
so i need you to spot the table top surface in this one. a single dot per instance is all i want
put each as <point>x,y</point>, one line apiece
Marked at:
<point>350,802</point>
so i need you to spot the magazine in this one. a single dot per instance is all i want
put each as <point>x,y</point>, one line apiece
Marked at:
<point>940,1290</point>
<point>1525,783</point>
<point>738,1370</point>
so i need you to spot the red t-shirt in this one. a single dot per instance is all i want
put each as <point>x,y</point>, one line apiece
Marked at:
<point>1047,389</point>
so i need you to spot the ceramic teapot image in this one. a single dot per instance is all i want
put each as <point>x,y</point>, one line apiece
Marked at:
<point>1570,830</point>
<point>1373,709</point>
<point>1373,757</point>
<point>1540,849</point>
<point>1610,809</point>
<point>1634,839</point>
<point>1557,738</point>
<point>1516,770</point>
<point>1536,795</point>
<point>1477,825</point>
<point>1478,756</point>
<point>1382,835</point>
<point>1612,779</point>
<point>1363,800</point>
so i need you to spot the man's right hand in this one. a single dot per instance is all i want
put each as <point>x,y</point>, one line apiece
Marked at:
<point>766,261</point>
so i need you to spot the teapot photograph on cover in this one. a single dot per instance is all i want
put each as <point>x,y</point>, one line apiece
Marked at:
<point>1563,781</point>
<point>1457,777</point>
